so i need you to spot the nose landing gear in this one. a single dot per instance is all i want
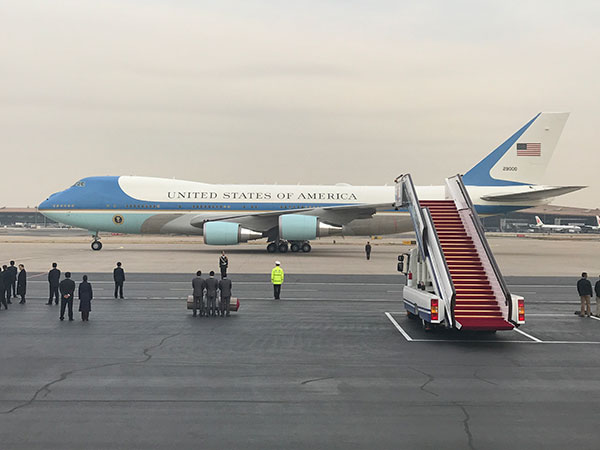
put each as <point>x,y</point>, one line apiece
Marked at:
<point>96,245</point>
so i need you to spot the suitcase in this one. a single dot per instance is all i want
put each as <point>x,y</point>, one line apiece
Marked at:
<point>190,302</point>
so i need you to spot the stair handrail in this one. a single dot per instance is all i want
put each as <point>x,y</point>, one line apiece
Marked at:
<point>428,242</point>
<point>406,197</point>
<point>457,179</point>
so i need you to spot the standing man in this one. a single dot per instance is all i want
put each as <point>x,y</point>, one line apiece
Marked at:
<point>7,281</point>
<point>67,290</point>
<point>597,289</point>
<point>2,292</point>
<point>277,279</point>
<point>199,285</point>
<point>53,281</point>
<point>22,283</point>
<point>223,264</point>
<point>368,250</point>
<point>211,294</point>
<point>584,288</point>
<point>119,277</point>
<point>225,288</point>
<point>13,271</point>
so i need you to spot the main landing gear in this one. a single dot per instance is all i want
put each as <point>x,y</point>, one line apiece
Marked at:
<point>284,246</point>
<point>96,245</point>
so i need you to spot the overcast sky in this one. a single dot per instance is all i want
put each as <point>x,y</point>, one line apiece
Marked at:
<point>318,92</point>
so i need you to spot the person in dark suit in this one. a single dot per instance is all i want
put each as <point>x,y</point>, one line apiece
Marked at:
<point>223,264</point>
<point>7,282</point>
<point>67,290</point>
<point>198,284</point>
<point>211,295</point>
<point>13,272</point>
<point>53,282</point>
<point>85,299</point>
<point>368,250</point>
<point>119,277</point>
<point>225,288</point>
<point>2,292</point>
<point>22,283</point>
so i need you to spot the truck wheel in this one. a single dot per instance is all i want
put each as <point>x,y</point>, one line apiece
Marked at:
<point>306,247</point>
<point>295,248</point>
<point>96,245</point>
<point>272,247</point>
<point>283,247</point>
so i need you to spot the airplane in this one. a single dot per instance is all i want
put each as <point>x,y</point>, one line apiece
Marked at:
<point>290,216</point>
<point>560,228</point>
<point>589,228</point>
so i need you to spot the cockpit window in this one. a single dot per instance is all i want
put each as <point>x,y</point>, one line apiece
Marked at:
<point>79,184</point>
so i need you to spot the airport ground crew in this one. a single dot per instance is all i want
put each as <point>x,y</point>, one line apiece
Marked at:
<point>119,277</point>
<point>223,264</point>
<point>7,281</point>
<point>277,276</point>
<point>212,285</point>
<point>225,288</point>
<point>22,283</point>
<point>53,281</point>
<point>584,288</point>
<point>597,289</point>
<point>368,250</point>
<point>85,299</point>
<point>13,272</point>
<point>198,285</point>
<point>67,290</point>
<point>2,293</point>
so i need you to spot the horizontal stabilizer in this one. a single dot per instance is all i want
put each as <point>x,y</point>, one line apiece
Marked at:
<point>535,193</point>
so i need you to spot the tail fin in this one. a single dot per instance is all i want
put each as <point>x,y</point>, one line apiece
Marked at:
<point>538,221</point>
<point>522,158</point>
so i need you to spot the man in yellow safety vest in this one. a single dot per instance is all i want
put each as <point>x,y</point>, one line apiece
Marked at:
<point>277,279</point>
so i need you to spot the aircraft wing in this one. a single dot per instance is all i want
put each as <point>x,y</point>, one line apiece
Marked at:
<point>536,193</point>
<point>333,215</point>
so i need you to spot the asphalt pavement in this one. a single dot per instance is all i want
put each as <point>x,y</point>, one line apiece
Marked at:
<point>325,367</point>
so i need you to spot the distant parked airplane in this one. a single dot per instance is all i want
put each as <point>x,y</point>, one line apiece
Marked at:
<point>560,228</point>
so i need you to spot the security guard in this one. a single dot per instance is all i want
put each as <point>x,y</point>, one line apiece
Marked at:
<point>223,264</point>
<point>199,285</point>
<point>212,285</point>
<point>277,279</point>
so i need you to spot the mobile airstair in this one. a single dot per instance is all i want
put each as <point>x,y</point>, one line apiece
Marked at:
<point>453,279</point>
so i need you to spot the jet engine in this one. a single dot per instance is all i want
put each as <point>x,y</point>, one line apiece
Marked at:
<point>227,233</point>
<point>298,227</point>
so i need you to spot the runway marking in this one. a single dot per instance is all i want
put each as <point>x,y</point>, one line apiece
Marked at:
<point>533,338</point>
<point>594,317</point>
<point>487,341</point>
<point>398,327</point>
<point>289,283</point>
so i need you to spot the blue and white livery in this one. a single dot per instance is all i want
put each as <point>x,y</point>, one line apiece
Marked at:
<point>289,216</point>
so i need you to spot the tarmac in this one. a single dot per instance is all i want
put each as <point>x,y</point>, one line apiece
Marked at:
<point>334,364</point>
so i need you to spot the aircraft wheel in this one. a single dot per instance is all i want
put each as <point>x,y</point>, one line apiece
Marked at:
<point>306,247</point>
<point>272,247</point>
<point>96,245</point>
<point>283,247</point>
<point>295,248</point>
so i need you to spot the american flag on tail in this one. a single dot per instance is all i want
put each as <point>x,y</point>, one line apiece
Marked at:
<point>529,149</point>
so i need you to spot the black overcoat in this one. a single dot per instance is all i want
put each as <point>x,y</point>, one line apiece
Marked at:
<point>22,282</point>
<point>85,296</point>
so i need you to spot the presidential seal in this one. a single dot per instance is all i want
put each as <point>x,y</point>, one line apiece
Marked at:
<point>118,220</point>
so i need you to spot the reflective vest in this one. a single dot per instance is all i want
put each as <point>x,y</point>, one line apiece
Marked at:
<point>277,275</point>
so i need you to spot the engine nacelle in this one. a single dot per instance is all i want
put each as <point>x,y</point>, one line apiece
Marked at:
<point>227,233</point>
<point>298,227</point>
